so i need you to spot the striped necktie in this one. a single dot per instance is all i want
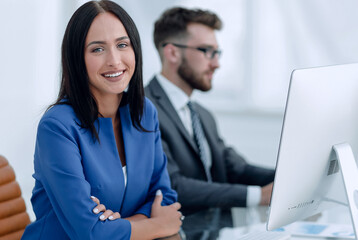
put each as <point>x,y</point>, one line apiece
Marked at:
<point>199,138</point>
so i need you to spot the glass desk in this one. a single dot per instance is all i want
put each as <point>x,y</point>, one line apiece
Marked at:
<point>254,219</point>
<point>207,225</point>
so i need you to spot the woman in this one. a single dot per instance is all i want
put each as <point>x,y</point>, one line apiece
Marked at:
<point>98,140</point>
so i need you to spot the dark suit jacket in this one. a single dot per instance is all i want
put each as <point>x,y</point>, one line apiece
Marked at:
<point>230,172</point>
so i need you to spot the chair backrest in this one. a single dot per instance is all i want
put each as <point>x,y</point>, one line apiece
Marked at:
<point>13,215</point>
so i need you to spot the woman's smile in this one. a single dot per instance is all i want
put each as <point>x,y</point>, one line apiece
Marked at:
<point>113,76</point>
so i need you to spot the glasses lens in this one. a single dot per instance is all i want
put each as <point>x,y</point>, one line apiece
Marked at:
<point>211,53</point>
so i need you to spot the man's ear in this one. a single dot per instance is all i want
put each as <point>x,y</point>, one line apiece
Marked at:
<point>171,53</point>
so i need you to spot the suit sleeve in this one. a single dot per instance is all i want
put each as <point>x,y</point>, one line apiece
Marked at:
<point>231,192</point>
<point>195,194</point>
<point>239,171</point>
<point>61,173</point>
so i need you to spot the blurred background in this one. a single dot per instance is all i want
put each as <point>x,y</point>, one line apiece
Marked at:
<point>262,42</point>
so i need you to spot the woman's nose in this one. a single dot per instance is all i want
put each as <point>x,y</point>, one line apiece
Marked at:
<point>114,58</point>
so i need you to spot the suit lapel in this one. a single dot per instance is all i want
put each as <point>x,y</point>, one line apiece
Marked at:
<point>162,101</point>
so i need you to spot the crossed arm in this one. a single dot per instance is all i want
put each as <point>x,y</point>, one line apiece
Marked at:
<point>165,220</point>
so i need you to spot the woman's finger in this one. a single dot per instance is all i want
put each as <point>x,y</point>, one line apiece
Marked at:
<point>114,216</point>
<point>99,208</point>
<point>105,215</point>
<point>96,200</point>
<point>175,205</point>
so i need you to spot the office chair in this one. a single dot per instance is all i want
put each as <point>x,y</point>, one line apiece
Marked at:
<point>13,215</point>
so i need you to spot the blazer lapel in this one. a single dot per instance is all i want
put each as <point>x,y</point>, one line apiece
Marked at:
<point>137,167</point>
<point>163,102</point>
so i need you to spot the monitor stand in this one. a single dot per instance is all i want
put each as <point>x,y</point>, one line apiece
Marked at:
<point>349,172</point>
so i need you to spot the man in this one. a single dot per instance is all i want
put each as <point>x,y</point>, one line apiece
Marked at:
<point>205,173</point>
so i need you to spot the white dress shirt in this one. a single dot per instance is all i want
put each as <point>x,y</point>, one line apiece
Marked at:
<point>179,100</point>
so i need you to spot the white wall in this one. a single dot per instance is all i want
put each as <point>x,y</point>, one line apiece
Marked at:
<point>262,42</point>
<point>30,41</point>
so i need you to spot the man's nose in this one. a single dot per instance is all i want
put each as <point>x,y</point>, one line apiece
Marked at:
<point>214,62</point>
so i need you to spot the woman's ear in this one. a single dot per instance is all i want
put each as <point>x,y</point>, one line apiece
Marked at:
<point>171,53</point>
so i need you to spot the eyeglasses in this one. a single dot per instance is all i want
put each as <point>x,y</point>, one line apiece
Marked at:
<point>209,52</point>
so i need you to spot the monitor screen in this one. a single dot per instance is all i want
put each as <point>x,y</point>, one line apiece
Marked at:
<point>321,112</point>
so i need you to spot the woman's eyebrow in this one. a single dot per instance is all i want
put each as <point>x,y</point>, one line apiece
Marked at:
<point>103,42</point>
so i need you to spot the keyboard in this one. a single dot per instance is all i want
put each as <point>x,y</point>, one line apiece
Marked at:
<point>266,235</point>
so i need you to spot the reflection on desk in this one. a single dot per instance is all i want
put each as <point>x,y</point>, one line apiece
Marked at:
<point>246,220</point>
<point>231,225</point>
<point>206,225</point>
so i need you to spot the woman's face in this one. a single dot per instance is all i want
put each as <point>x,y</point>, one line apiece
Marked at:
<point>109,56</point>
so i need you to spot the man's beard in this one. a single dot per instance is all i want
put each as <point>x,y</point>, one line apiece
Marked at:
<point>186,72</point>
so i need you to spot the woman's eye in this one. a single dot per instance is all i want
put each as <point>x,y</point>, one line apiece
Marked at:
<point>97,50</point>
<point>122,45</point>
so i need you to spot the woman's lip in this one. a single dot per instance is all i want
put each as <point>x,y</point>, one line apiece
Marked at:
<point>113,76</point>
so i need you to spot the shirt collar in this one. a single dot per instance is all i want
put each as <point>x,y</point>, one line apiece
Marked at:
<point>177,97</point>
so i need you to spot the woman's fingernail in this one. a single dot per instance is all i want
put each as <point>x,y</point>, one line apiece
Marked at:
<point>159,192</point>
<point>101,217</point>
<point>110,217</point>
<point>93,197</point>
<point>95,210</point>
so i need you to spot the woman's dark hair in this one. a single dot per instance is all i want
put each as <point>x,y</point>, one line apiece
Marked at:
<point>75,82</point>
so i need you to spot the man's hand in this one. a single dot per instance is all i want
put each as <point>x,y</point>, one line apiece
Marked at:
<point>266,192</point>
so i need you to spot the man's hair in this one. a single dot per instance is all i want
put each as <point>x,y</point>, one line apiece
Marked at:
<point>174,21</point>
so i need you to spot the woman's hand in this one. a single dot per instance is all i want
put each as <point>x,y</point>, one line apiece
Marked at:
<point>168,217</point>
<point>107,214</point>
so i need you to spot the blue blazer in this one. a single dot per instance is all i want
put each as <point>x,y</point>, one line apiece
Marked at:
<point>70,166</point>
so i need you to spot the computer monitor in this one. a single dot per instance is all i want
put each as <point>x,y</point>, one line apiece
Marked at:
<point>315,167</point>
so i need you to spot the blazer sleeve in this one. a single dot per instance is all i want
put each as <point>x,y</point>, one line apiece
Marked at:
<point>61,173</point>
